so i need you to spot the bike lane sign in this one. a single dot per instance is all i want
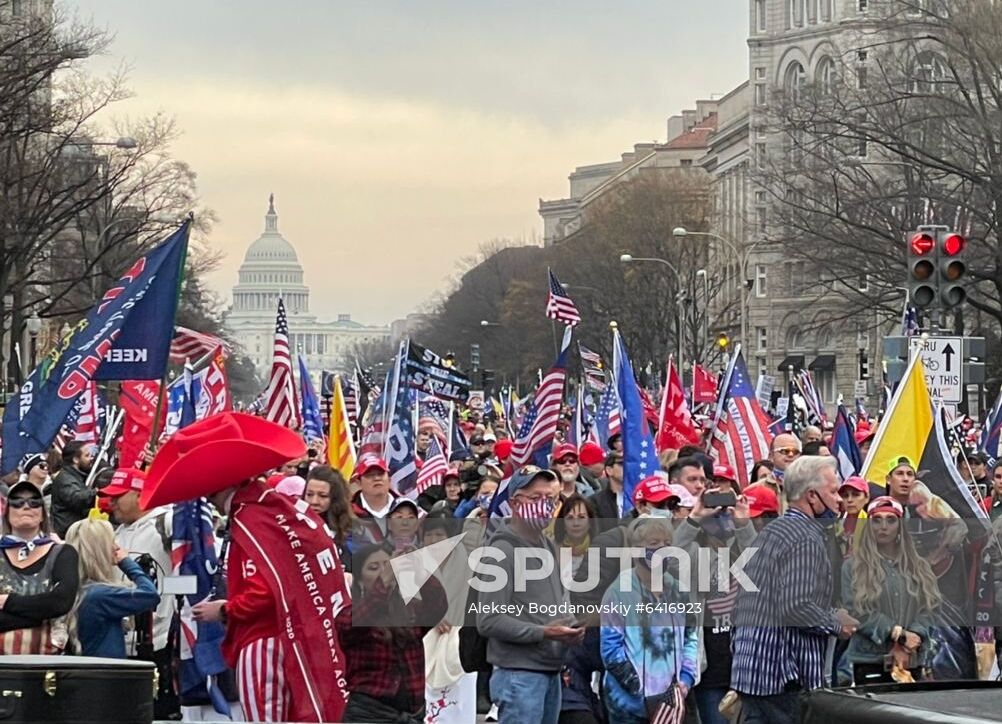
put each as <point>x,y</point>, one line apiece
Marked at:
<point>943,359</point>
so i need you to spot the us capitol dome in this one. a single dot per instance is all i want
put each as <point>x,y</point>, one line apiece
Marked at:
<point>271,268</point>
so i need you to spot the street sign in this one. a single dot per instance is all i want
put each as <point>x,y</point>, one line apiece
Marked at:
<point>943,360</point>
<point>763,390</point>
<point>859,389</point>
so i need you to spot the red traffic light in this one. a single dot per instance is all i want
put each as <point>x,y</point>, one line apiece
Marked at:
<point>953,244</point>
<point>922,243</point>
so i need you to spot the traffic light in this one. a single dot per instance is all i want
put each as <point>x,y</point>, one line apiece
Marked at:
<point>723,340</point>
<point>864,365</point>
<point>952,267</point>
<point>475,356</point>
<point>922,254</point>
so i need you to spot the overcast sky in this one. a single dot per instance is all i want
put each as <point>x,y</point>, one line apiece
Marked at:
<point>398,135</point>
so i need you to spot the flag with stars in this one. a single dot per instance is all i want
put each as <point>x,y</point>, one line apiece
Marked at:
<point>639,457</point>
<point>608,420</point>
<point>740,432</point>
<point>313,424</point>
<point>535,436</point>
<point>558,305</point>
<point>398,444</point>
<point>843,445</point>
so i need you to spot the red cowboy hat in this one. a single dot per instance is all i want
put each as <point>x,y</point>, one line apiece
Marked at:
<point>216,453</point>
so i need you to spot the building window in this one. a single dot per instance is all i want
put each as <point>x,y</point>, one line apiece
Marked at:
<point>825,76</point>
<point>760,73</point>
<point>685,162</point>
<point>812,11</point>
<point>760,94</point>
<point>762,339</point>
<point>760,25</point>
<point>864,283</point>
<point>794,13</point>
<point>826,384</point>
<point>863,5</point>
<point>763,367</point>
<point>826,11</point>
<point>760,288</point>
<point>17,8</point>
<point>793,80</point>
<point>760,153</point>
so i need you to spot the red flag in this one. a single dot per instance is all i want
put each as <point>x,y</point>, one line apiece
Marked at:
<point>650,412</point>
<point>704,386</point>
<point>138,399</point>
<point>675,427</point>
<point>216,385</point>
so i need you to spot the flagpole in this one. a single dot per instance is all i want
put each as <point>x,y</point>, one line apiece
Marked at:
<point>721,393</point>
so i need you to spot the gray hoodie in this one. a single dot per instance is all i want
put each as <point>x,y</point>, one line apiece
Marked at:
<point>515,637</point>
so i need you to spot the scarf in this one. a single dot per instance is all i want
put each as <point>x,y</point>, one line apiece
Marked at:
<point>25,547</point>
<point>581,548</point>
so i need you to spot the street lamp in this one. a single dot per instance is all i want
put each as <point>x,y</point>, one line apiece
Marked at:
<point>681,232</point>
<point>630,259</point>
<point>485,323</point>
<point>706,306</point>
<point>34,326</point>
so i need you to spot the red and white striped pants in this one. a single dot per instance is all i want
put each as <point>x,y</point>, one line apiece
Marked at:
<point>261,681</point>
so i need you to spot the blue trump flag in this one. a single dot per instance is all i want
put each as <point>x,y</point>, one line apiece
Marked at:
<point>843,445</point>
<point>398,445</point>
<point>138,311</point>
<point>313,423</point>
<point>639,457</point>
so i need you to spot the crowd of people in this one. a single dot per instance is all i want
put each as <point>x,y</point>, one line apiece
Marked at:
<point>856,582</point>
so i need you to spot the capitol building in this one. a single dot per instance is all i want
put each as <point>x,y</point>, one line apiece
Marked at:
<point>271,268</point>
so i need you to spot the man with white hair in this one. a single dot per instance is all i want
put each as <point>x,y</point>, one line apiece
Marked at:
<point>783,628</point>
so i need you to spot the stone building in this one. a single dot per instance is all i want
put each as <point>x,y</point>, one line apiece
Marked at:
<point>271,268</point>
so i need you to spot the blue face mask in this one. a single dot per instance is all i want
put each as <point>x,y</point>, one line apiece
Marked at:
<point>484,501</point>
<point>826,516</point>
<point>649,555</point>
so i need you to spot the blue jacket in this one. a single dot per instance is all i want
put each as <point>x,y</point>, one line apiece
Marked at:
<point>103,606</point>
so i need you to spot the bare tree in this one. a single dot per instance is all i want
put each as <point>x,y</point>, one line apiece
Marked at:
<point>901,127</point>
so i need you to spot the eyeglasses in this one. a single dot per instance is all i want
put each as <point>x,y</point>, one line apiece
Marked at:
<point>788,451</point>
<point>18,503</point>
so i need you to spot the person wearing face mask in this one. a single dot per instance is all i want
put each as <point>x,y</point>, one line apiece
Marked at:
<point>526,645</point>
<point>714,531</point>
<point>782,630</point>
<point>649,650</point>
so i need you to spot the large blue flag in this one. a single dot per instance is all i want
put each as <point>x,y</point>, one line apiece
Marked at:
<point>138,311</point>
<point>843,445</point>
<point>398,445</point>
<point>639,457</point>
<point>313,423</point>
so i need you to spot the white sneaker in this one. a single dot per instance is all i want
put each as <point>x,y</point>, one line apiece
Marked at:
<point>492,715</point>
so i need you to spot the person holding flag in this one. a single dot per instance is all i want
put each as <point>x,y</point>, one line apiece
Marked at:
<point>279,627</point>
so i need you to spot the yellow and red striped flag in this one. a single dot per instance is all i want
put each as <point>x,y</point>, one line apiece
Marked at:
<point>340,446</point>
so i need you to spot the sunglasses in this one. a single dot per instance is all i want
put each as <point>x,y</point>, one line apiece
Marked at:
<point>18,503</point>
<point>788,451</point>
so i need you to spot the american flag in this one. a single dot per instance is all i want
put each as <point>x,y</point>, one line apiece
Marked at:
<point>608,420</point>
<point>191,345</point>
<point>740,429</point>
<point>535,436</point>
<point>434,468</point>
<point>558,305</point>
<point>280,404</point>
<point>593,368</point>
<point>350,391</point>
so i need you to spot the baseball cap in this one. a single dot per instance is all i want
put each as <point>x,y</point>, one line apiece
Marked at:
<point>885,504</point>
<point>368,462</point>
<point>897,461</point>
<point>563,450</point>
<point>591,454</point>
<point>291,485</point>
<point>400,502</point>
<point>503,449</point>
<point>856,483</point>
<point>490,437</point>
<point>652,489</point>
<point>724,471</point>
<point>525,475</point>
<point>685,498</point>
<point>123,481</point>
<point>761,499</point>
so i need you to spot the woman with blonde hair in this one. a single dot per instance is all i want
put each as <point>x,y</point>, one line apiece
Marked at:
<point>104,600</point>
<point>894,594</point>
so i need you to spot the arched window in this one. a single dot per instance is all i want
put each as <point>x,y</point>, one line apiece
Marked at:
<point>825,76</point>
<point>794,338</point>
<point>793,80</point>
<point>928,74</point>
